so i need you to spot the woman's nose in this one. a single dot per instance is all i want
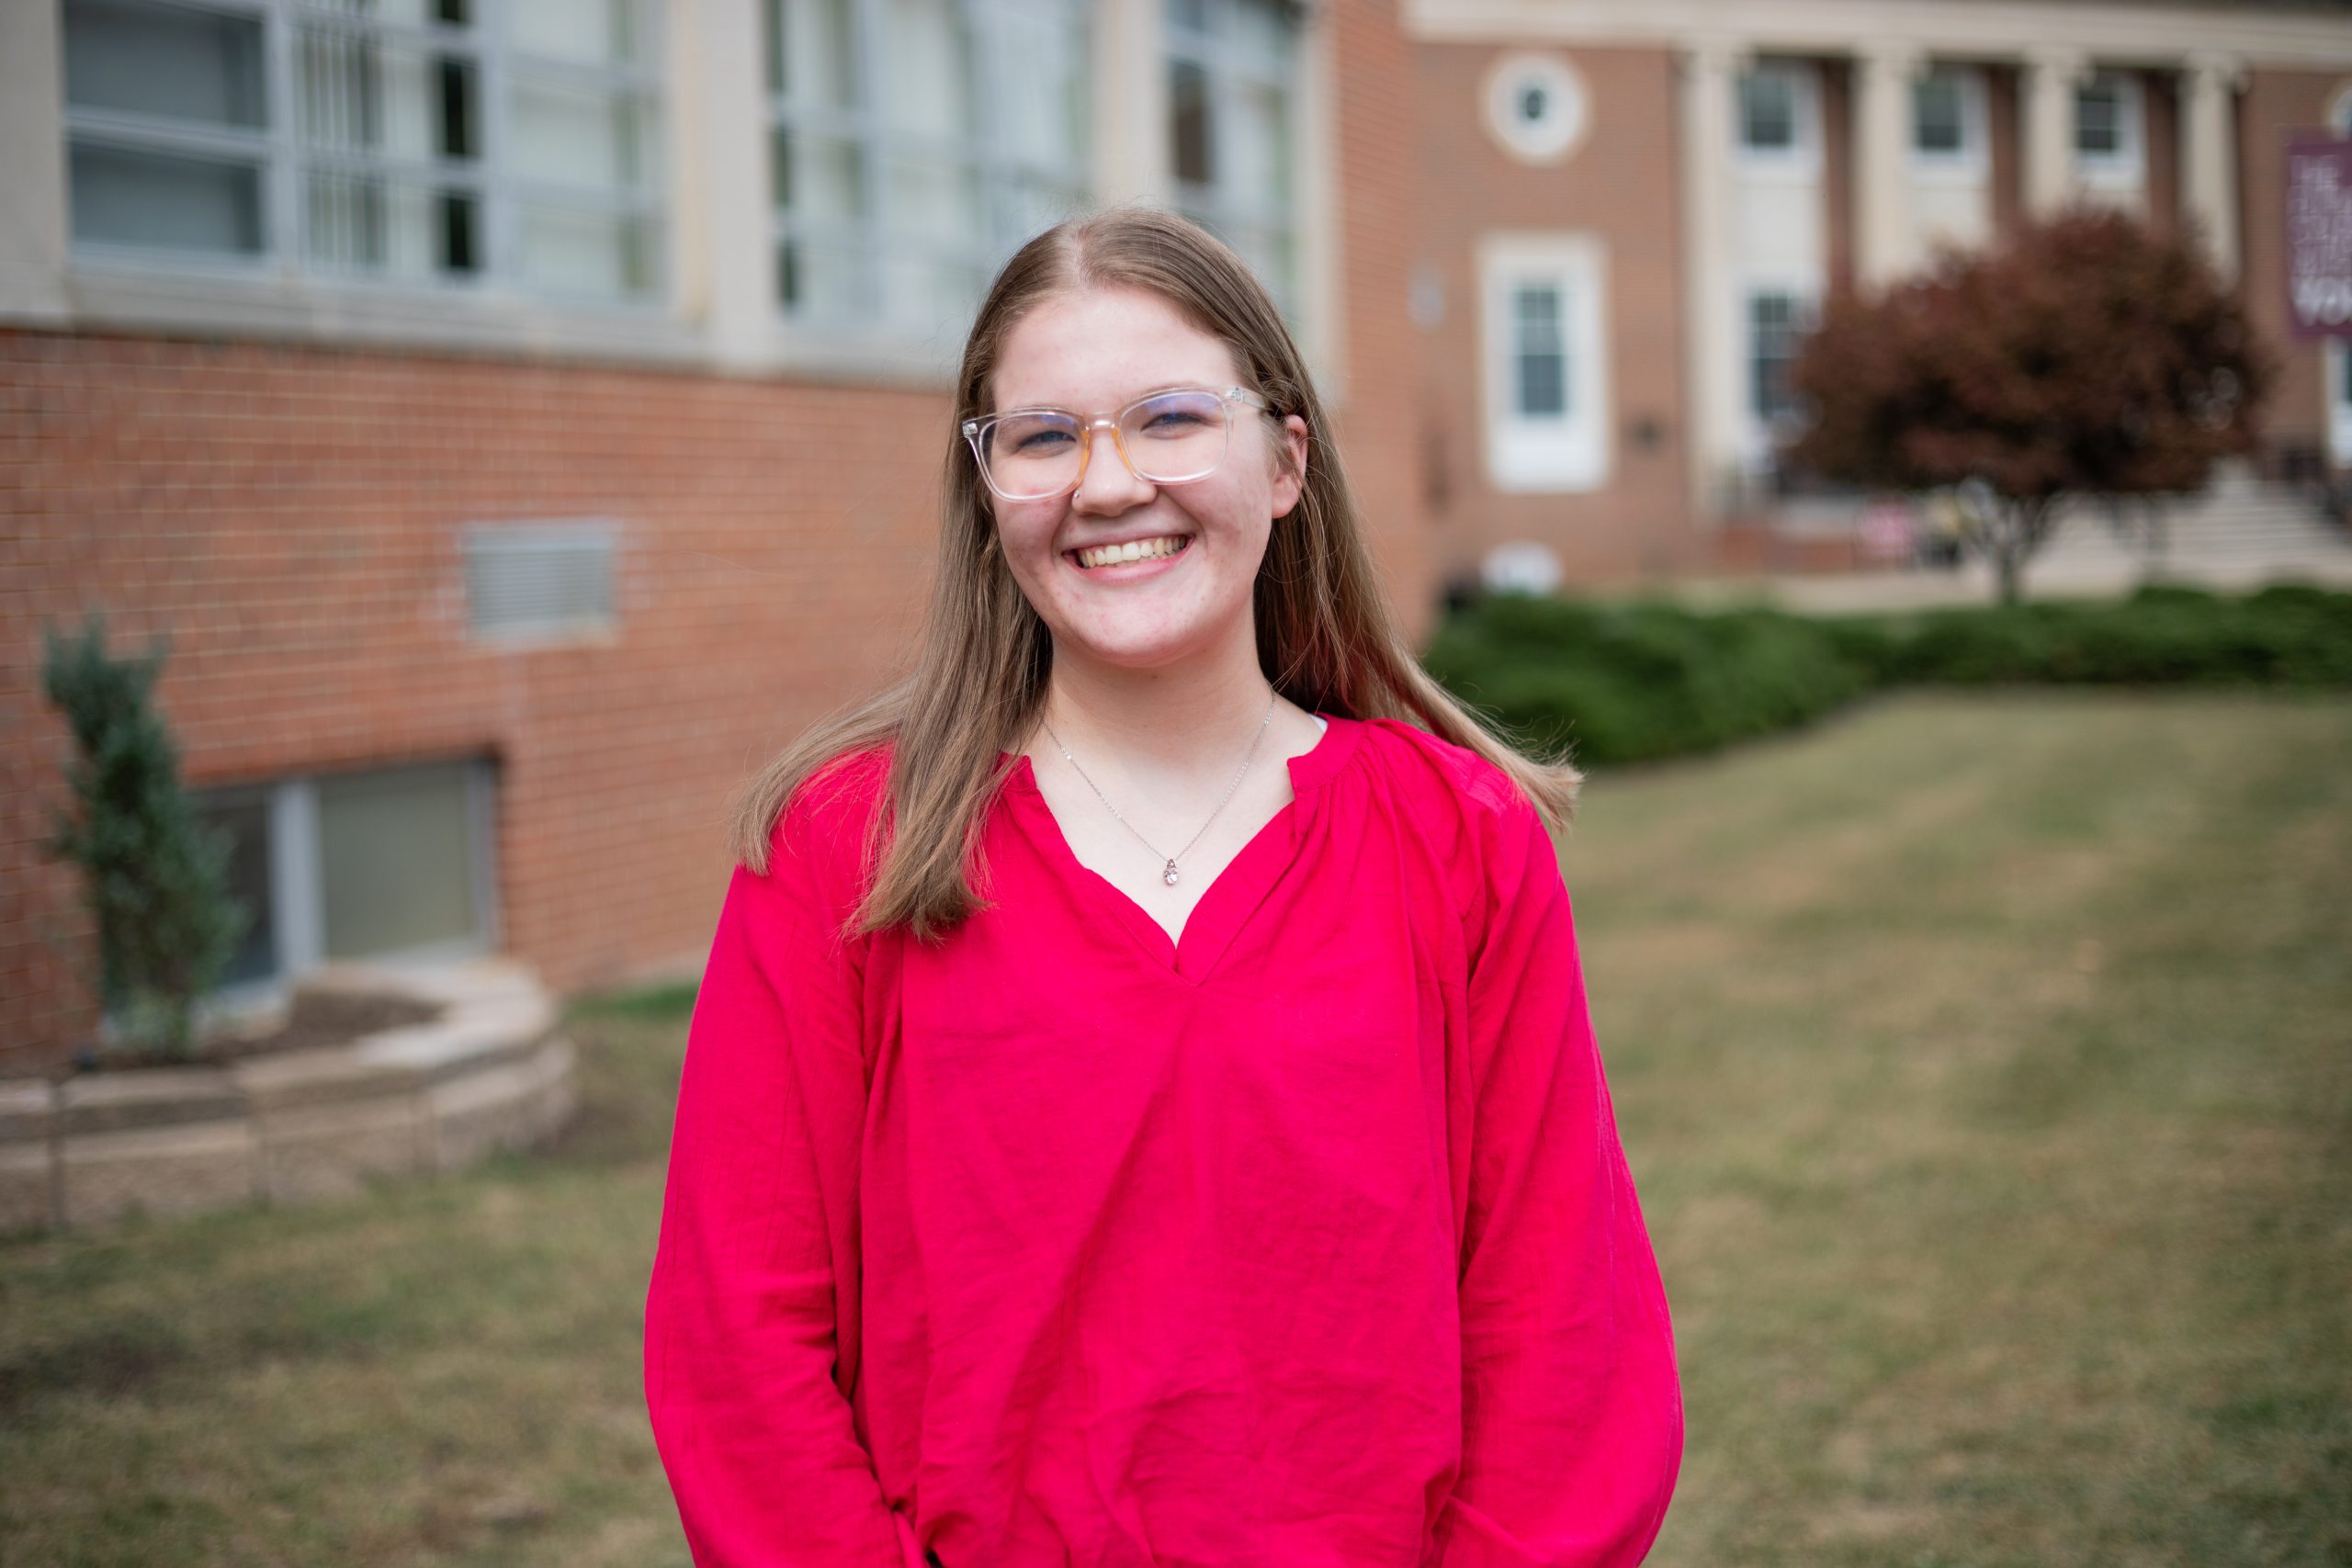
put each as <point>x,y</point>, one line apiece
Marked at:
<point>1107,484</point>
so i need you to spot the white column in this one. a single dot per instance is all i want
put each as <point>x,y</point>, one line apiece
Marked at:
<point>1130,106</point>
<point>32,177</point>
<point>727,268</point>
<point>1709,73</point>
<point>1321,206</point>
<point>2046,108</point>
<point>2209,155</point>
<point>1886,240</point>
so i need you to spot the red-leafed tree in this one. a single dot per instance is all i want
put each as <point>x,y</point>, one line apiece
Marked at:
<point>2089,356</point>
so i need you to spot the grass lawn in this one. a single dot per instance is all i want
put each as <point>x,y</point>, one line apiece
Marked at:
<point>1985,1063</point>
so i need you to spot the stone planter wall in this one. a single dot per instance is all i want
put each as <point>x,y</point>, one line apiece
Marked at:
<point>490,1073</point>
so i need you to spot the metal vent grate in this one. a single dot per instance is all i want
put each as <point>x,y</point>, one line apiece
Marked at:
<point>537,578</point>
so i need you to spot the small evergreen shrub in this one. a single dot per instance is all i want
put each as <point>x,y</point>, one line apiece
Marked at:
<point>155,879</point>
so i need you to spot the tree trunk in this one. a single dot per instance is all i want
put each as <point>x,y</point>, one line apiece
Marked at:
<point>2008,564</point>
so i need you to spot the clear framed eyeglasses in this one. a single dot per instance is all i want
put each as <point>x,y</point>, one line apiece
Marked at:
<point>1165,438</point>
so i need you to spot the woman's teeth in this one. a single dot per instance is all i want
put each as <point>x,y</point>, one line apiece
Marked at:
<point>1136,549</point>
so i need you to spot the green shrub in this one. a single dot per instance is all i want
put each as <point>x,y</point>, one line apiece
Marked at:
<point>2289,636</point>
<point>1624,683</point>
<point>1620,684</point>
<point>154,878</point>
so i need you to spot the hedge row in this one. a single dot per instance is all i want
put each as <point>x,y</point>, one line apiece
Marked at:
<point>1623,683</point>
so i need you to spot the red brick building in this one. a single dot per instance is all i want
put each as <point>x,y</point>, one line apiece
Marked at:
<point>522,417</point>
<point>1632,211</point>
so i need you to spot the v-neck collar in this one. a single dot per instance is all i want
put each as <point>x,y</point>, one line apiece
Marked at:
<point>1226,907</point>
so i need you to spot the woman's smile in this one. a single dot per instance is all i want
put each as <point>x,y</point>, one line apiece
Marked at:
<point>1108,562</point>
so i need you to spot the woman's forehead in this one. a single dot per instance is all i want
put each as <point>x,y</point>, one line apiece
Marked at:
<point>1098,347</point>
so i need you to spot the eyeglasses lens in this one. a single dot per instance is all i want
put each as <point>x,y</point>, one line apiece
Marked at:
<point>1169,438</point>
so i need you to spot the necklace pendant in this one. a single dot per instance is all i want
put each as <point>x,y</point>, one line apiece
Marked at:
<point>1169,877</point>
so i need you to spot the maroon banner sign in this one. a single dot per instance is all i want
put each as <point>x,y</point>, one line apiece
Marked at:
<point>2319,236</point>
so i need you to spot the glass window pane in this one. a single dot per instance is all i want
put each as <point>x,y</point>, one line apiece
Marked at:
<point>814,58</point>
<point>123,198</point>
<point>925,198</point>
<point>403,13</point>
<point>1542,352</point>
<point>1775,322</point>
<point>1190,139</point>
<point>1935,124</point>
<point>1262,31</point>
<point>246,824</point>
<point>354,93</point>
<point>1767,112</point>
<point>369,223</point>
<point>1542,387</point>
<point>1258,148</point>
<point>1040,105</point>
<point>824,282</point>
<point>396,856</point>
<point>927,74</point>
<point>821,177</point>
<point>605,255</point>
<point>161,59</point>
<point>597,32</point>
<point>2098,117</point>
<point>580,136</point>
<point>930,299</point>
<point>1028,206</point>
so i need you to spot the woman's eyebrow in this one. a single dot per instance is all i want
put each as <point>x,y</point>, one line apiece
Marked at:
<point>1070,407</point>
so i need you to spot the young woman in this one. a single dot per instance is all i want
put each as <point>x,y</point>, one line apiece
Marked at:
<point>1141,1109</point>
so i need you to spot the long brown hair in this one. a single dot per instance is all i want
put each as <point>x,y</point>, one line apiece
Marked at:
<point>1326,640</point>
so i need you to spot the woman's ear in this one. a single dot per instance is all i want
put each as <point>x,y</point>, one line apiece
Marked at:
<point>1290,465</point>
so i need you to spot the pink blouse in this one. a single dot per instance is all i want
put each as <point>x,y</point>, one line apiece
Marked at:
<point>1303,1242</point>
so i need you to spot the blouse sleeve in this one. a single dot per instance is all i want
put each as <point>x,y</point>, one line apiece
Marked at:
<point>1572,1410</point>
<point>742,1313</point>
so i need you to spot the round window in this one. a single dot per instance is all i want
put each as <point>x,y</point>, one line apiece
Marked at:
<point>1535,107</point>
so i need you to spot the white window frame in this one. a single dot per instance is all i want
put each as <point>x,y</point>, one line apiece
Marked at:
<point>1559,132</point>
<point>1972,159</point>
<point>277,151</point>
<point>1763,436</point>
<point>1571,454</point>
<point>1803,156</point>
<point>1229,69</point>
<point>2124,171</point>
<point>297,889</point>
<point>865,124</point>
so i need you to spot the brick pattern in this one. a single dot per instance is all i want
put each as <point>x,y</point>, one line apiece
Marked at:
<point>1376,101</point>
<point>2275,105</point>
<point>1618,185</point>
<point>291,518</point>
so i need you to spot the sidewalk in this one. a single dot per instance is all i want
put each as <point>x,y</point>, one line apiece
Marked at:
<point>2239,536</point>
<point>1914,588</point>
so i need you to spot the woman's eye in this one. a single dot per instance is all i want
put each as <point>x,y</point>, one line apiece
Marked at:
<point>1035,443</point>
<point>1172,422</point>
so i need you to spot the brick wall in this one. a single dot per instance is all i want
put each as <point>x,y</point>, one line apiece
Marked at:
<point>1620,185</point>
<point>1379,222</point>
<point>2275,105</point>
<point>291,519</point>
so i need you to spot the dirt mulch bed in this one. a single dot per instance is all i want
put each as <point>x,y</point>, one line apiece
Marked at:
<point>314,1019</point>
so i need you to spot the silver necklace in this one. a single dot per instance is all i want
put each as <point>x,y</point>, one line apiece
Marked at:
<point>1168,872</point>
